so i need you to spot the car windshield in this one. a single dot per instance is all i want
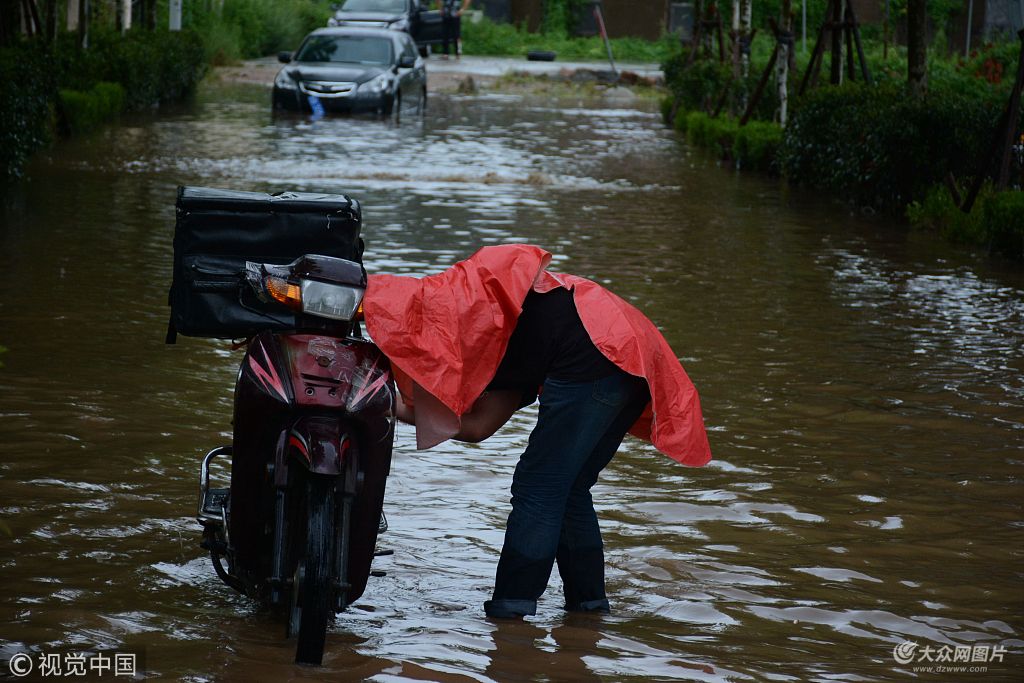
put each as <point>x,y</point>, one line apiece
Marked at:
<point>353,49</point>
<point>374,6</point>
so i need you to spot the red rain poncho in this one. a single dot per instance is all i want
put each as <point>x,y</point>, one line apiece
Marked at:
<point>445,335</point>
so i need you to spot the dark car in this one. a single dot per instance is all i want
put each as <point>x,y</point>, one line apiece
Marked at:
<point>352,70</point>
<point>418,18</point>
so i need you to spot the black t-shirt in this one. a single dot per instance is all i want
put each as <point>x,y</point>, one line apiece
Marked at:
<point>549,340</point>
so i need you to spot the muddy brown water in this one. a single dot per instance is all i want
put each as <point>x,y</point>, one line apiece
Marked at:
<point>863,388</point>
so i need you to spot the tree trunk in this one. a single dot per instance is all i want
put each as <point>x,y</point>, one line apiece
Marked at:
<point>736,11</point>
<point>836,35</point>
<point>782,65</point>
<point>746,20</point>
<point>72,15</point>
<point>83,24</point>
<point>51,20</point>
<point>917,55</point>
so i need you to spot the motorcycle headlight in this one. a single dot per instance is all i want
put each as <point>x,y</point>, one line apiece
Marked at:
<point>337,302</point>
<point>292,286</point>
<point>376,84</point>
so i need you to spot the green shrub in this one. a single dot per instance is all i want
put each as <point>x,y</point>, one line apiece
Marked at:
<point>716,134</point>
<point>936,211</point>
<point>697,86</point>
<point>266,26</point>
<point>757,145</point>
<point>996,221</point>
<point>707,84</point>
<point>151,66</point>
<point>680,121</point>
<point>139,70</point>
<point>1003,218</point>
<point>84,111</point>
<point>154,67</point>
<point>26,106</point>
<point>222,42</point>
<point>486,37</point>
<point>665,105</point>
<point>879,147</point>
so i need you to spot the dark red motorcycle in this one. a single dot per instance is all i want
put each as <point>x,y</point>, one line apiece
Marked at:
<point>314,400</point>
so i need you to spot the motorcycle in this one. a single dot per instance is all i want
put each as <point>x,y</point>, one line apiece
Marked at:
<point>309,457</point>
<point>313,422</point>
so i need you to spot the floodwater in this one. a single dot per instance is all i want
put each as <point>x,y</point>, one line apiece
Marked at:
<point>863,388</point>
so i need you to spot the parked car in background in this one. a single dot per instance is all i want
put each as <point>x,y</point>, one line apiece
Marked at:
<point>352,70</point>
<point>418,18</point>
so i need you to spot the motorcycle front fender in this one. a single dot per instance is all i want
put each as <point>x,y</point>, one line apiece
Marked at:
<point>320,444</point>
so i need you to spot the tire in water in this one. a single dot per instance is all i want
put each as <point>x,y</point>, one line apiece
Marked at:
<point>315,593</point>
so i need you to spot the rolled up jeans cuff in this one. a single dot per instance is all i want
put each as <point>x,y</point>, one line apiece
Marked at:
<point>600,606</point>
<point>510,609</point>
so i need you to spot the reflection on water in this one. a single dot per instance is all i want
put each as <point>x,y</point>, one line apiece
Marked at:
<point>862,388</point>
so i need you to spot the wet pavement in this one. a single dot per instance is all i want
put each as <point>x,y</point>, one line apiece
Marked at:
<point>862,387</point>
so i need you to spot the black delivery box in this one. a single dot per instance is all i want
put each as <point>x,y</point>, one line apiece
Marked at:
<point>217,231</point>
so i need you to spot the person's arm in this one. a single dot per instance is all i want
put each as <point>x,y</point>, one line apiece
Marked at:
<point>405,412</point>
<point>488,414</point>
<point>465,6</point>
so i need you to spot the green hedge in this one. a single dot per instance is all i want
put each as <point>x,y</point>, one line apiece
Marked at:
<point>1003,220</point>
<point>486,37</point>
<point>26,106</point>
<point>151,66</point>
<point>81,111</point>
<point>707,84</point>
<point>877,146</point>
<point>254,28</point>
<point>997,220</point>
<point>753,146</point>
<point>757,146</point>
<point>136,71</point>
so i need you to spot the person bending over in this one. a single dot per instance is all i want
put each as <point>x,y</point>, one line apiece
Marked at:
<point>472,345</point>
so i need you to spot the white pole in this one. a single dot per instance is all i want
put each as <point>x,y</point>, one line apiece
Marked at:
<point>126,15</point>
<point>174,10</point>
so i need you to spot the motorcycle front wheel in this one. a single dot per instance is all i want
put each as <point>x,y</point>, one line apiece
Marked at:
<point>313,581</point>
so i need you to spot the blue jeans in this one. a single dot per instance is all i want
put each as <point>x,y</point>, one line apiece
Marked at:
<point>580,426</point>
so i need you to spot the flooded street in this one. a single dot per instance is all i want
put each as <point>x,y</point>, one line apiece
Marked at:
<point>863,390</point>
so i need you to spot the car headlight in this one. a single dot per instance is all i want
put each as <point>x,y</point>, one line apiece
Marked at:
<point>400,25</point>
<point>284,81</point>
<point>377,84</point>
<point>337,302</point>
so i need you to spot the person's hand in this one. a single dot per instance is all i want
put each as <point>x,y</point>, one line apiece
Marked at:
<point>487,415</point>
<point>406,412</point>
